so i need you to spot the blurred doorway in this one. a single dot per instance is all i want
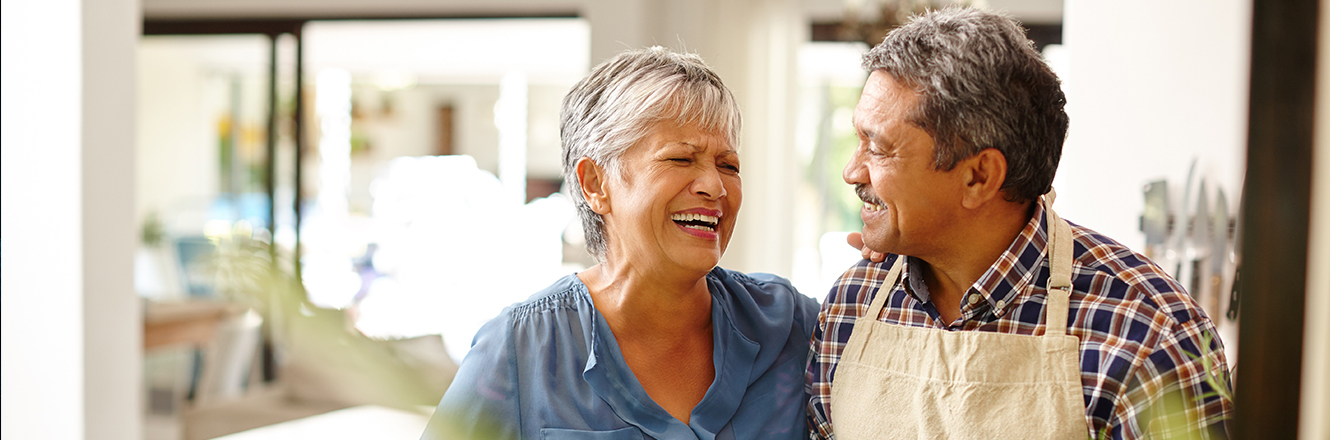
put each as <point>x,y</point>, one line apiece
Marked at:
<point>346,192</point>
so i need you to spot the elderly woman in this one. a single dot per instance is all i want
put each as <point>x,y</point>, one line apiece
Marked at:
<point>654,341</point>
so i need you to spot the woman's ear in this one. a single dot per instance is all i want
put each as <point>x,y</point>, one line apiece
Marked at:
<point>592,178</point>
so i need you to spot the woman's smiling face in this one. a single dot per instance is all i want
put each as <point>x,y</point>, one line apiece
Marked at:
<point>676,199</point>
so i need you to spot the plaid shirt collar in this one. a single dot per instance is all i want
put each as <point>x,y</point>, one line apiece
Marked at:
<point>1007,281</point>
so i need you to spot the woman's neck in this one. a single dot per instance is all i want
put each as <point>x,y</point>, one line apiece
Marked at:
<point>663,329</point>
<point>656,306</point>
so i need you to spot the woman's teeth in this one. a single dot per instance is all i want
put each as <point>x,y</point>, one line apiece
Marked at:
<point>696,221</point>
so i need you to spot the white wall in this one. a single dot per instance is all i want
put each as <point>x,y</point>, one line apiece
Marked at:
<point>71,338</point>
<point>1150,86</point>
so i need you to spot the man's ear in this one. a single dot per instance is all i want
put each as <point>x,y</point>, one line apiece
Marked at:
<point>984,174</point>
<point>593,178</point>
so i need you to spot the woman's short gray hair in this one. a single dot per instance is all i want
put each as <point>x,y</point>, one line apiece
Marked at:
<point>619,102</point>
<point>981,85</point>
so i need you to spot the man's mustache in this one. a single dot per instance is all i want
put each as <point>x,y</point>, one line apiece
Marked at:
<point>866,194</point>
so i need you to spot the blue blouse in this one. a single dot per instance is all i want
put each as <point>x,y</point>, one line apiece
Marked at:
<point>549,368</point>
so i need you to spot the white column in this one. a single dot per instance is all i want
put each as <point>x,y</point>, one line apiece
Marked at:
<point>71,323</point>
<point>112,322</point>
<point>754,47</point>
<point>510,117</point>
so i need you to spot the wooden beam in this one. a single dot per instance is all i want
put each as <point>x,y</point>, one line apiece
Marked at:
<point>1276,216</point>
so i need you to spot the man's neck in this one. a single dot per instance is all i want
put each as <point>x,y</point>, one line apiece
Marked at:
<point>974,248</point>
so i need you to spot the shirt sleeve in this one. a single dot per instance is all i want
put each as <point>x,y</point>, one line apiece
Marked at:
<point>1182,389</point>
<point>482,402</point>
<point>807,315</point>
<point>815,378</point>
<point>806,310</point>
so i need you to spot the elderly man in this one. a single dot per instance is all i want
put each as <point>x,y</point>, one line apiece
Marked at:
<point>991,317</point>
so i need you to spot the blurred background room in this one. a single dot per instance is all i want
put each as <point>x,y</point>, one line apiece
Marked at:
<point>271,219</point>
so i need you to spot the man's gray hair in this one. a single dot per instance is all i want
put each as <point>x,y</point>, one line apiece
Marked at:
<point>619,103</point>
<point>981,85</point>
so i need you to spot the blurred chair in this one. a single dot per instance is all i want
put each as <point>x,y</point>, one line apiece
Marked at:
<point>183,340</point>
<point>230,361</point>
<point>193,254</point>
<point>327,366</point>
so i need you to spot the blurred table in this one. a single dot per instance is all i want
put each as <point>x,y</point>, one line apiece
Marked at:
<point>183,322</point>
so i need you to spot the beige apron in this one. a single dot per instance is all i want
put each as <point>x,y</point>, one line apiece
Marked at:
<point>900,382</point>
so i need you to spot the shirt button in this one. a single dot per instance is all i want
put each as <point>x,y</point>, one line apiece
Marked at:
<point>974,299</point>
<point>1001,303</point>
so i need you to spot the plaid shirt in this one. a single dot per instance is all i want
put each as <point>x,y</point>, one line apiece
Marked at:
<point>1140,332</point>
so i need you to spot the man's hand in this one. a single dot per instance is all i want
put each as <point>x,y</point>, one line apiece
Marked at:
<point>857,240</point>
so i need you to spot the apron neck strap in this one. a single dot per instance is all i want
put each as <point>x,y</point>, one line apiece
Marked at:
<point>1059,278</point>
<point>888,285</point>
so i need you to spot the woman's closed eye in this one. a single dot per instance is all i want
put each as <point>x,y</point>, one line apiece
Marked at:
<point>682,160</point>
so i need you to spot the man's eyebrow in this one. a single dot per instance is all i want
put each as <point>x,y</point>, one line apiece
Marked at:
<point>859,129</point>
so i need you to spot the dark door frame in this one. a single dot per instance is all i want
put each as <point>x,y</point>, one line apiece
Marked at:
<point>1276,219</point>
